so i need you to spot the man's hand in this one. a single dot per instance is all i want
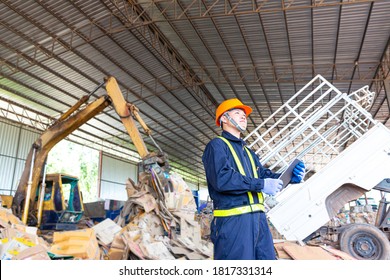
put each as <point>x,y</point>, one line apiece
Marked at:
<point>272,186</point>
<point>298,173</point>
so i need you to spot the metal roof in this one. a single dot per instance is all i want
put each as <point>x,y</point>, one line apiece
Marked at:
<point>178,59</point>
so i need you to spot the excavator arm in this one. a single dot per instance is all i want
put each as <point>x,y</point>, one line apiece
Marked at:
<point>122,109</point>
<point>40,149</point>
<point>129,113</point>
<point>65,125</point>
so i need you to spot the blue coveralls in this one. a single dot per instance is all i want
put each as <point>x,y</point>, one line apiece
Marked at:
<point>238,237</point>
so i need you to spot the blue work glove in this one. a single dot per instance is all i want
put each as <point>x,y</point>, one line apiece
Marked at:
<point>272,186</point>
<point>298,173</point>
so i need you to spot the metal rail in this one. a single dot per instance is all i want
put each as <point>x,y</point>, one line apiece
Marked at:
<point>315,125</point>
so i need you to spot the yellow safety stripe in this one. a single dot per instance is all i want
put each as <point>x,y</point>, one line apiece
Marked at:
<point>261,198</point>
<point>243,209</point>
<point>239,210</point>
<point>254,169</point>
<point>252,162</point>
<point>238,163</point>
<point>232,212</point>
<point>259,194</point>
<point>235,156</point>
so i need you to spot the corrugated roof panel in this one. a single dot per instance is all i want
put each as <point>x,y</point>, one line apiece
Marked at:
<point>325,31</point>
<point>11,43</point>
<point>17,21</point>
<point>135,58</point>
<point>194,40</point>
<point>342,86</point>
<point>62,88</point>
<point>212,40</point>
<point>378,33</point>
<point>34,99</point>
<point>232,36</point>
<point>380,103</point>
<point>37,13</point>
<point>352,25</point>
<point>254,36</point>
<point>275,29</point>
<point>300,35</point>
<point>89,74</point>
<point>277,53</point>
<point>383,113</point>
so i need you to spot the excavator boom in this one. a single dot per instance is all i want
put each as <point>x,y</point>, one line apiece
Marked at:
<point>65,125</point>
<point>42,146</point>
<point>122,109</point>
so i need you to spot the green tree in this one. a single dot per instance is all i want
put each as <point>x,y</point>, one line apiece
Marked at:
<point>77,160</point>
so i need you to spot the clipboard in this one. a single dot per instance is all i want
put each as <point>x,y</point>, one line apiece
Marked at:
<point>287,174</point>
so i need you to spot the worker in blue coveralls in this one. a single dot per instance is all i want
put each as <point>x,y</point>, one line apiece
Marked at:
<point>236,183</point>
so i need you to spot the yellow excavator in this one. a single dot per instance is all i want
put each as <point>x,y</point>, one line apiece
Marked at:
<point>39,198</point>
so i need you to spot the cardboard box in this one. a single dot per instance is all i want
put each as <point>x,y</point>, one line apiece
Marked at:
<point>80,244</point>
<point>106,231</point>
<point>116,254</point>
<point>13,247</point>
<point>7,218</point>
<point>33,253</point>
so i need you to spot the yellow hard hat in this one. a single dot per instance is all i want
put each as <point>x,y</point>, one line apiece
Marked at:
<point>229,104</point>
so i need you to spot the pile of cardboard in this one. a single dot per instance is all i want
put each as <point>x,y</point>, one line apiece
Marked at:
<point>159,222</point>
<point>80,244</point>
<point>145,238</point>
<point>288,250</point>
<point>19,242</point>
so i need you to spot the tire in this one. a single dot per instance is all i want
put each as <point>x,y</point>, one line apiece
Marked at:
<point>365,242</point>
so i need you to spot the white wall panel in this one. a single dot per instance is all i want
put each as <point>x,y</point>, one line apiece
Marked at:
<point>114,174</point>
<point>15,143</point>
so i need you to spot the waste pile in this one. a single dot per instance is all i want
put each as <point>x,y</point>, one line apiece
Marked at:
<point>354,215</point>
<point>158,222</point>
<point>155,223</point>
<point>204,217</point>
<point>19,241</point>
<point>289,250</point>
<point>363,214</point>
<point>324,246</point>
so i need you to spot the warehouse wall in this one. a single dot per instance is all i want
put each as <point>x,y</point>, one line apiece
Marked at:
<point>15,143</point>
<point>113,176</point>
